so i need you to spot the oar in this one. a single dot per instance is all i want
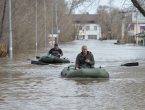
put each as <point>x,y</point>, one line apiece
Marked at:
<point>38,63</point>
<point>126,64</point>
<point>131,64</point>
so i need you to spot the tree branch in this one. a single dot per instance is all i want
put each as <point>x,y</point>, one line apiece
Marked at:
<point>138,6</point>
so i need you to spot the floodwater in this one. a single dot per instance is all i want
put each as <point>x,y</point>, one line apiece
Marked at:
<point>33,87</point>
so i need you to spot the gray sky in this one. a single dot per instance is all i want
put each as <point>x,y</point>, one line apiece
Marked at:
<point>92,10</point>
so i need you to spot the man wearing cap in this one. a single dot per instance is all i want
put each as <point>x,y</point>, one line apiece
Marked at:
<point>85,59</point>
<point>57,52</point>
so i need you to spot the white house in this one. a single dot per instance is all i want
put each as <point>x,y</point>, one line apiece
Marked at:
<point>87,26</point>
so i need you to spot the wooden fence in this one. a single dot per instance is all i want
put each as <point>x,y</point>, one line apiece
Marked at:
<point>3,50</point>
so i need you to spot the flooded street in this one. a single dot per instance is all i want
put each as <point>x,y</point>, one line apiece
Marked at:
<point>33,87</point>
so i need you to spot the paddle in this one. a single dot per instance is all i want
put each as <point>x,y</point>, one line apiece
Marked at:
<point>38,63</point>
<point>131,64</point>
<point>126,64</point>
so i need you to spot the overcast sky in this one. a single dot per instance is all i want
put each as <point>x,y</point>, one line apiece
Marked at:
<point>92,10</point>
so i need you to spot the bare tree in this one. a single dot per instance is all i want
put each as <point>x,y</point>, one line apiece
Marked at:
<point>3,12</point>
<point>111,21</point>
<point>138,6</point>
<point>74,4</point>
<point>23,22</point>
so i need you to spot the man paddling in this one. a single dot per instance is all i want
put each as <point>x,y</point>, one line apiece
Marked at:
<point>85,59</point>
<point>56,51</point>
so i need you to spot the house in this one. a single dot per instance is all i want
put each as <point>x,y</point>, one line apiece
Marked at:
<point>138,21</point>
<point>87,26</point>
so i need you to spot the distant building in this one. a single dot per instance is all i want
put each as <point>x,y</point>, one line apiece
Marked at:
<point>138,31</point>
<point>140,28</point>
<point>87,26</point>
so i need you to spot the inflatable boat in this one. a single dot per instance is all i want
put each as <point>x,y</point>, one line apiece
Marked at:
<point>53,59</point>
<point>45,60</point>
<point>120,43</point>
<point>70,72</point>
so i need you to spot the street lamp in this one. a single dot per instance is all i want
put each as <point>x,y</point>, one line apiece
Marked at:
<point>56,19</point>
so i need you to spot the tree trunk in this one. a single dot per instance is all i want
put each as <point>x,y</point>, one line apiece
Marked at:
<point>138,6</point>
<point>3,17</point>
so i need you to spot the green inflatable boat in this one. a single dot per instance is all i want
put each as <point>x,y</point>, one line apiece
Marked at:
<point>70,72</point>
<point>53,59</point>
<point>120,43</point>
<point>45,60</point>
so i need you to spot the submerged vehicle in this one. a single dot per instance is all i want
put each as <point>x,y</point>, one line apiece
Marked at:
<point>71,72</point>
<point>45,60</point>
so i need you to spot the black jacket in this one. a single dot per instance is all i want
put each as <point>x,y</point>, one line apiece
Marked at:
<point>55,52</point>
<point>80,60</point>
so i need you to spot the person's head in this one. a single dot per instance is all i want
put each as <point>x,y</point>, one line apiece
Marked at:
<point>56,46</point>
<point>84,49</point>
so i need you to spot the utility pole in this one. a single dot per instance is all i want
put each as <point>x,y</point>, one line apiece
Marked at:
<point>123,25</point>
<point>52,24</point>
<point>100,29</point>
<point>36,27</point>
<point>45,20</point>
<point>136,28</point>
<point>56,18</point>
<point>56,22</point>
<point>10,31</point>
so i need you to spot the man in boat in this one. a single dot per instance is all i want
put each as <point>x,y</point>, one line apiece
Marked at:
<point>118,41</point>
<point>85,59</point>
<point>56,51</point>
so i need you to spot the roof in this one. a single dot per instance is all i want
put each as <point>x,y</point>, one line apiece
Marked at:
<point>85,18</point>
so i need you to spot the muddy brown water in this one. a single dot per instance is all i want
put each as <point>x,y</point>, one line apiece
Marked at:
<point>33,87</point>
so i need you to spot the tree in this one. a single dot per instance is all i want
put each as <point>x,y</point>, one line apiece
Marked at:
<point>3,12</point>
<point>23,22</point>
<point>138,6</point>
<point>74,4</point>
<point>111,20</point>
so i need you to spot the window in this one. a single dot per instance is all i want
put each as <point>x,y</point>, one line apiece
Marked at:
<point>92,36</point>
<point>95,27</point>
<point>80,27</point>
<point>88,28</point>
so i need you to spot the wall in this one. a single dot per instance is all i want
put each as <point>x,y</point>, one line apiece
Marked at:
<point>91,31</point>
<point>138,29</point>
<point>141,18</point>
